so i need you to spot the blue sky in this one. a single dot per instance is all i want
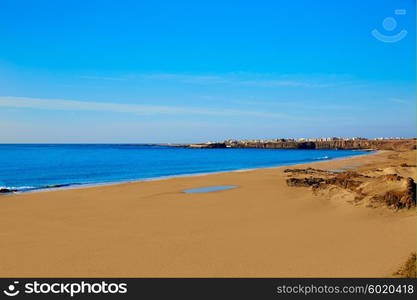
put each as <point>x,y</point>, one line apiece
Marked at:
<point>189,71</point>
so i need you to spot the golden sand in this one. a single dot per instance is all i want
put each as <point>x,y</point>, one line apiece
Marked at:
<point>263,228</point>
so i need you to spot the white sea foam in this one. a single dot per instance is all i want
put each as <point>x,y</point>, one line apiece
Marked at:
<point>17,187</point>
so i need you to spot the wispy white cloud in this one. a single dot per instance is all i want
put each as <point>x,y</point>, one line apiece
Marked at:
<point>400,101</point>
<point>305,105</point>
<point>104,78</point>
<point>60,104</point>
<point>236,78</point>
<point>185,78</point>
<point>241,79</point>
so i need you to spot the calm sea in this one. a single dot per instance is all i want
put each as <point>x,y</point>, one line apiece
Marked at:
<point>28,167</point>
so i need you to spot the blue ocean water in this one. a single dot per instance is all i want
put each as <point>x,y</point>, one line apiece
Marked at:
<point>28,167</point>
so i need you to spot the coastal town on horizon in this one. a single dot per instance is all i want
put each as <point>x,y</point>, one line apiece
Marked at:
<point>350,143</point>
<point>319,139</point>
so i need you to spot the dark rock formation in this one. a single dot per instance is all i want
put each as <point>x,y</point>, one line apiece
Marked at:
<point>5,191</point>
<point>305,182</point>
<point>346,180</point>
<point>400,199</point>
<point>391,177</point>
<point>404,165</point>
<point>306,171</point>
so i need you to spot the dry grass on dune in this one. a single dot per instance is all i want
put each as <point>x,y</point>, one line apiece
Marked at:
<point>408,270</point>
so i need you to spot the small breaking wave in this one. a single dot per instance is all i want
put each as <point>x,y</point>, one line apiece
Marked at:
<point>322,157</point>
<point>17,188</point>
<point>20,189</point>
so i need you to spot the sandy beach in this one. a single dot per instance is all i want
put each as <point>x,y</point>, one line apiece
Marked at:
<point>263,228</point>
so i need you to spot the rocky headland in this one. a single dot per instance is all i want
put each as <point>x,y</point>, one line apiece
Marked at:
<point>340,144</point>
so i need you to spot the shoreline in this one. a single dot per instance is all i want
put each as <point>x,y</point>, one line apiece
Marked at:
<point>71,186</point>
<point>263,228</point>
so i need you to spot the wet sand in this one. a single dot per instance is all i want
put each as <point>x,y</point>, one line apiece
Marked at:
<point>263,228</point>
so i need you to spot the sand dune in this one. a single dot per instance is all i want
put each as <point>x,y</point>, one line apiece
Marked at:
<point>263,228</point>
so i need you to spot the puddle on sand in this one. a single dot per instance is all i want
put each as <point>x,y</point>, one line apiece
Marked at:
<point>338,170</point>
<point>210,189</point>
